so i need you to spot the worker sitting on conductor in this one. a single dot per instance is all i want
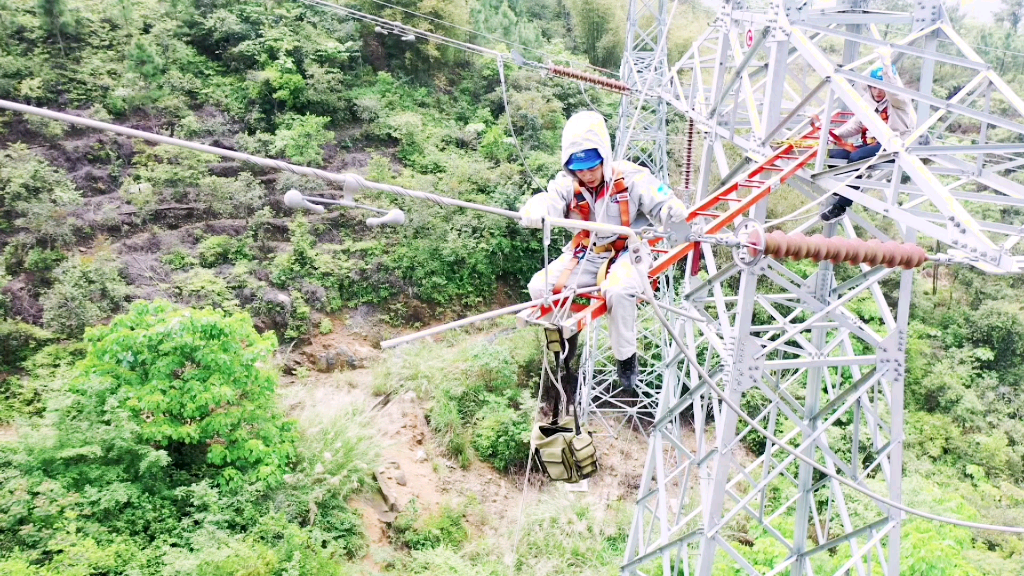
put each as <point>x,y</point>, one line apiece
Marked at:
<point>896,111</point>
<point>593,187</point>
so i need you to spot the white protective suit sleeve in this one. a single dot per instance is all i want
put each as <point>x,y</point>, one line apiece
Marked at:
<point>902,117</point>
<point>585,130</point>
<point>852,127</point>
<point>673,211</point>
<point>553,203</point>
<point>650,194</point>
<point>897,101</point>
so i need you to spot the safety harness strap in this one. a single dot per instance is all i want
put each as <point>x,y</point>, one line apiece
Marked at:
<point>563,278</point>
<point>869,140</point>
<point>580,205</point>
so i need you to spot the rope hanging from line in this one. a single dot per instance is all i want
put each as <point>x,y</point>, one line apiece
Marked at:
<point>511,128</point>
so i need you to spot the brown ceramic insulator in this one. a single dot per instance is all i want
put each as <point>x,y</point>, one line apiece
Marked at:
<point>876,255</point>
<point>820,249</point>
<point>592,79</point>
<point>852,251</point>
<point>688,157</point>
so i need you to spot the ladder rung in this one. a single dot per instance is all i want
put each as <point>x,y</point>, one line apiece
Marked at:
<point>705,213</point>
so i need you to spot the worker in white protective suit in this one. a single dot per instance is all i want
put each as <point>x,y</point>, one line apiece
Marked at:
<point>596,188</point>
<point>894,108</point>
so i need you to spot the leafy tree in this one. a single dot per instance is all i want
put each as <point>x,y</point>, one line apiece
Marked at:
<point>236,197</point>
<point>18,341</point>
<point>217,250</point>
<point>300,139</point>
<point>502,435</point>
<point>195,382</point>
<point>169,169</point>
<point>56,19</point>
<point>498,18</point>
<point>1010,14</point>
<point>599,27</point>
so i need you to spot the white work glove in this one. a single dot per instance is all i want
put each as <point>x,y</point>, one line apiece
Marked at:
<point>532,213</point>
<point>673,211</point>
<point>885,53</point>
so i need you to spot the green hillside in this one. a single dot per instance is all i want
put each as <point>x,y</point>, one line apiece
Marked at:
<point>156,303</point>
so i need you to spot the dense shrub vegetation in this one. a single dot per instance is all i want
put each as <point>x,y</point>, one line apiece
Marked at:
<point>149,438</point>
<point>163,450</point>
<point>480,395</point>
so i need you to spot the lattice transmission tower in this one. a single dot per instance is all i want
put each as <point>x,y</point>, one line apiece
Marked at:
<point>641,132</point>
<point>640,138</point>
<point>772,392</point>
<point>814,355</point>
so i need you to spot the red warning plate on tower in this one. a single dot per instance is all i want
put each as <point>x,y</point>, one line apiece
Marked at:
<point>750,38</point>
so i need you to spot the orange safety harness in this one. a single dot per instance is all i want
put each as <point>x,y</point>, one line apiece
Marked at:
<point>864,138</point>
<point>869,140</point>
<point>581,208</point>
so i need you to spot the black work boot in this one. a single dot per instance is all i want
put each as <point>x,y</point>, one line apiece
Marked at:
<point>627,371</point>
<point>832,212</point>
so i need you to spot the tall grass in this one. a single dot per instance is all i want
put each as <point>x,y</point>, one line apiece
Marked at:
<point>337,454</point>
<point>339,449</point>
<point>559,537</point>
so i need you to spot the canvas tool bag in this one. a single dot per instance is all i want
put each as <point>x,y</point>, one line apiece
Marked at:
<point>565,452</point>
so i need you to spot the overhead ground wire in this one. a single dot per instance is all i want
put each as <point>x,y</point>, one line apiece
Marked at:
<point>398,26</point>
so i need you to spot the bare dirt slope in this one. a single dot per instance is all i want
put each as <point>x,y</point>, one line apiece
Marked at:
<point>413,467</point>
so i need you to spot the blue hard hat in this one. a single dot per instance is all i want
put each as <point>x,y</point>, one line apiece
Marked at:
<point>877,73</point>
<point>584,159</point>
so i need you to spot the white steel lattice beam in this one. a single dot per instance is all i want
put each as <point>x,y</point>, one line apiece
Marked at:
<point>804,349</point>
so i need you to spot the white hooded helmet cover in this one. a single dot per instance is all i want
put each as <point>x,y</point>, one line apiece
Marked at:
<point>583,131</point>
